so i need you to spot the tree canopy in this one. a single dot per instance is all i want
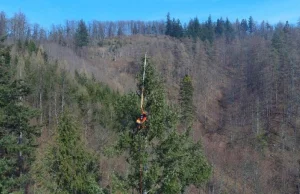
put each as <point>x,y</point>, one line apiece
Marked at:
<point>160,158</point>
<point>81,35</point>
<point>17,135</point>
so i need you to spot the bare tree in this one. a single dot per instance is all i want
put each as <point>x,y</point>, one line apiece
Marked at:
<point>18,26</point>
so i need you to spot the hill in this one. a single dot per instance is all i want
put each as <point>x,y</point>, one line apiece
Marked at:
<point>245,78</point>
<point>242,119</point>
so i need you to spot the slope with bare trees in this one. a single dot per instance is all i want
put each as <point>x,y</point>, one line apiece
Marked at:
<point>245,78</point>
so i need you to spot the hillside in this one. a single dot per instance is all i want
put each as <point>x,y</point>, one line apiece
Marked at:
<point>244,136</point>
<point>70,98</point>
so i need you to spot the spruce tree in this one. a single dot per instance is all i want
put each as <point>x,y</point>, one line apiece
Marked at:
<point>81,35</point>
<point>194,28</point>
<point>70,167</point>
<point>219,30</point>
<point>160,159</point>
<point>251,25</point>
<point>169,25</point>
<point>177,30</point>
<point>286,27</point>
<point>229,31</point>
<point>244,26</point>
<point>17,136</point>
<point>186,101</point>
<point>209,30</point>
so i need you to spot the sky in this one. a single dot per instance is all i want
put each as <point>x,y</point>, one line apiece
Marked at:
<point>48,12</point>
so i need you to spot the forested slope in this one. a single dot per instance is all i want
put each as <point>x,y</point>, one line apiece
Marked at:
<point>246,94</point>
<point>245,99</point>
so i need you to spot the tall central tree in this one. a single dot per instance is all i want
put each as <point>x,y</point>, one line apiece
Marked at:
<point>161,159</point>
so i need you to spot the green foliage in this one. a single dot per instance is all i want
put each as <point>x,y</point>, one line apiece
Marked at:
<point>91,101</point>
<point>155,103</point>
<point>208,31</point>
<point>81,35</point>
<point>194,28</point>
<point>174,27</point>
<point>262,140</point>
<point>96,98</point>
<point>251,25</point>
<point>278,39</point>
<point>244,26</point>
<point>224,28</point>
<point>71,168</point>
<point>204,31</point>
<point>229,31</point>
<point>164,159</point>
<point>168,25</point>
<point>19,45</point>
<point>219,30</point>
<point>17,136</point>
<point>31,47</point>
<point>183,161</point>
<point>186,101</point>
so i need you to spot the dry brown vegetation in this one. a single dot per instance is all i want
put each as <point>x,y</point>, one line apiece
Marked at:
<point>246,91</point>
<point>241,101</point>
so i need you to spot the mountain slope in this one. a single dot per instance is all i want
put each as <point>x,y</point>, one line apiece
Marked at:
<point>240,105</point>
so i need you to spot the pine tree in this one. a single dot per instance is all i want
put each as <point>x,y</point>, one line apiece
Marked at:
<point>81,35</point>
<point>208,33</point>
<point>278,39</point>
<point>173,27</point>
<point>161,160</point>
<point>229,31</point>
<point>177,28</point>
<point>251,25</point>
<point>286,27</point>
<point>219,30</point>
<point>194,28</point>
<point>169,25</point>
<point>17,136</point>
<point>244,26</point>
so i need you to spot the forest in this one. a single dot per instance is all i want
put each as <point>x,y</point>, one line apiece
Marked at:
<point>222,100</point>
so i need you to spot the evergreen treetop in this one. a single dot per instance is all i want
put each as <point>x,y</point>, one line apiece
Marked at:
<point>161,160</point>
<point>69,167</point>
<point>81,35</point>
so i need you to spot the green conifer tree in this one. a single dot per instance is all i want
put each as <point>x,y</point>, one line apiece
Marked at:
<point>17,136</point>
<point>81,35</point>
<point>186,101</point>
<point>70,168</point>
<point>168,25</point>
<point>251,25</point>
<point>219,30</point>
<point>229,31</point>
<point>209,30</point>
<point>194,28</point>
<point>244,27</point>
<point>161,160</point>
